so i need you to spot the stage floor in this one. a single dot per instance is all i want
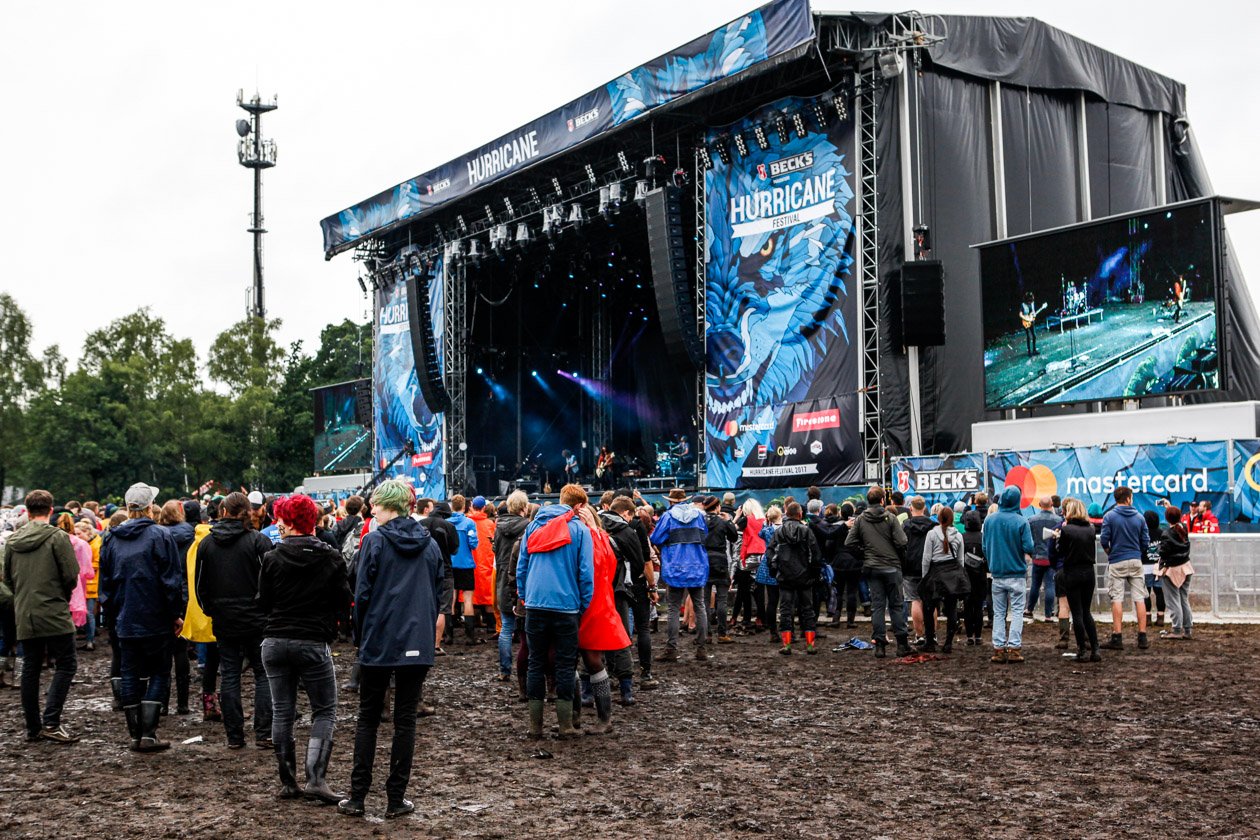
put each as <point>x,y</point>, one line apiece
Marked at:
<point>1012,377</point>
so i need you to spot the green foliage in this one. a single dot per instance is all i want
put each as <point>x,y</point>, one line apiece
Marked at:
<point>136,408</point>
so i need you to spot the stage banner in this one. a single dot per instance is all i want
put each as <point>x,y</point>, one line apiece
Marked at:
<point>1179,473</point>
<point>781,306</point>
<point>770,32</point>
<point>398,408</point>
<point>940,478</point>
<point>1246,499</point>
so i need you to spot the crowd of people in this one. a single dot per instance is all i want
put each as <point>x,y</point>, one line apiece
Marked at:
<point>250,585</point>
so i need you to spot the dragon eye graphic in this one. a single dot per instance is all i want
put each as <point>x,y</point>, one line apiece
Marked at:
<point>768,248</point>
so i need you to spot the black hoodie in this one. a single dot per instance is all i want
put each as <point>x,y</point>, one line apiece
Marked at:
<point>916,528</point>
<point>396,597</point>
<point>721,544</point>
<point>303,589</point>
<point>508,529</point>
<point>229,560</point>
<point>629,550</point>
<point>795,560</point>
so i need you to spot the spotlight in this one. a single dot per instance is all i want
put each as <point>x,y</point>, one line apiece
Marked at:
<point>820,112</point>
<point>499,237</point>
<point>781,127</point>
<point>534,373</point>
<point>723,147</point>
<point>533,195</point>
<point>640,190</point>
<point>705,157</point>
<point>553,217</point>
<point>575,214</point>
<point>507,202</point>
<point>463,226</point>
<point>590,173</point>
<point>555,185</point>
<point>480,371</point>
<point>891,64</point>
<point>522,234</point>
<point>759,134</point>
<point>841,103</point>
<point>474,251</point>
<point>625,164</point>
<point>604,201</point>
<point>615,194</point>
<point>741,145</point>
<point>798,123</point>
<point>454,250</point>
<point>489,214</point>
<point>362,285</point>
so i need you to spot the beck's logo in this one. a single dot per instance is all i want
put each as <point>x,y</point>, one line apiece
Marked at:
<point>783,166</point>
<point>581,120</point>
<point>438,186</point>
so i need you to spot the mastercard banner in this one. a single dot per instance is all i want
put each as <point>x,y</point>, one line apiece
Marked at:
<point>1179,473</point>
<point>1246,498</point>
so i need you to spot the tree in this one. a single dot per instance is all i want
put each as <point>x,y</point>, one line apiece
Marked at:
<point>345,352</point>
<point>20,379</point>
<point>246,355</point>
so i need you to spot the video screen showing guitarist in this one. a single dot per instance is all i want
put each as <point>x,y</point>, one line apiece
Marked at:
<point>1028,312</point>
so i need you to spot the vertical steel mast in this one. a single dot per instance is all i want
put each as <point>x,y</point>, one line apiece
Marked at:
<point>257,154</point>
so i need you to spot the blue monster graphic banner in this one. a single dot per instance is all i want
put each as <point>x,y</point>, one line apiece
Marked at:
<point>771,32</point>
<point>398,408</point>
<point>1181,473</point>
<point>781,309</point>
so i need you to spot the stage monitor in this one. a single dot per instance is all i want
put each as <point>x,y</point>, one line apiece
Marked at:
<point>343,437</point>
<point>1119,308</point>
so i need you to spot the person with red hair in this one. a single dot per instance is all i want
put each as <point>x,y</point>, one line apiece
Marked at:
<point>302,589</point>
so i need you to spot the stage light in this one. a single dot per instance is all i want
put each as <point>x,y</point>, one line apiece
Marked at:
<point>723,148</point>
<point>759,134</point>
<point>534,373</point>
<point>615,194</point>
<point>362,285</point>
<point>489,214</point>
<point>781,127</point>
<point>640,190</point>
<point>576,216</point>
<point>820,112</point>
<point>480,371</point>
<point>463,226</point>
<point>555,185</point>
<point>553,217</point>
<point>474,251</point>
<point>604,201</point>
<point>522,234</point>
<point>705,157</point>
<point>741,145</point>
<point>533,195</point>
<point>625,164</point>
<point>499,237</point>
<point>590,173</point>
<point>841,103</point>
<point>891,64</point>
<point>798,123</point>
<point>507,202</point>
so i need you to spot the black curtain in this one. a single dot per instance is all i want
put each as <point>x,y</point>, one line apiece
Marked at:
<point>894,386</point>
<point>1121,158</point>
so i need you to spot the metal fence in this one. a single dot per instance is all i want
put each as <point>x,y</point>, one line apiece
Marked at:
<point>1226,582</point>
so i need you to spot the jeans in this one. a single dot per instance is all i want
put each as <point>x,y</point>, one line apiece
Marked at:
<point>743,598</point>
<point>60,648</point>
<point>951,619</point>
<point>717,615</point>
<point>506,630</point>
<point>637,607</point>
<point>179,658</point>
<point>373,685</point>
<point>847,593</point>
<point>1008,602</point>
<point>8,631</point>
<point>292,661</point>
<point>210,667</point>
<point>146,657</point>
<point>89,631</point>
<point>793,599</point>
<point>1079,584</point>
<point>885,586</point>
<point>677,595</point>
<point>1040,575</point>
<point>1178,600</point>
<point>547,629</point>
<point>232,653</point>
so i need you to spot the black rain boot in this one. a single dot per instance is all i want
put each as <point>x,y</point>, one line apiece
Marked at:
<point>150,714</point>
<point>286,760</point>
<point>115,688</point>
<point>1065,630</point>
<point>602,693</point>
<point>626,684</point>
<point>318,752</point>
<point>132,714</point>
<point>353,685</point>
<point>948,647</point>
<point>903,646</point>
<point>881,648</point>
<point>584,684</point>
<point>1116,643</point>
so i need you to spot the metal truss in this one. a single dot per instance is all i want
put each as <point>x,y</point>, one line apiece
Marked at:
<point>455,353</point>
<point>601,364</point>
<point>868,271</point>
<point>701,321</point>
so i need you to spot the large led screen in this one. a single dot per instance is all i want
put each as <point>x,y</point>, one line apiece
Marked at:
<point>342,440</point>
<point>1124,307</point>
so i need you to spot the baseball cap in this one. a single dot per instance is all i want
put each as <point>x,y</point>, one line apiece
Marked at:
<point>140,496</point>
<point>256,498</point>
<point>479,502</point>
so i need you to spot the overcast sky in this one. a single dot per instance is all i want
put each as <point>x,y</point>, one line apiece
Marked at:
<point>121,186</point>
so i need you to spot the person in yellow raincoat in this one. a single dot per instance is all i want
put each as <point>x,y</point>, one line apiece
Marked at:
<point>483,557</point>
<point>198,629</point>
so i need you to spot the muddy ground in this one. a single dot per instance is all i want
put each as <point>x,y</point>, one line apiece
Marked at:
<point>752,743</point>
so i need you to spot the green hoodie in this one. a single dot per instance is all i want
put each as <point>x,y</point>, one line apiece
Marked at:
<point>40,569</point>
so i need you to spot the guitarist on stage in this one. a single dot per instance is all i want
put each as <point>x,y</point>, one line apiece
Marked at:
<point>1028,312</point>
<point>604,467</point>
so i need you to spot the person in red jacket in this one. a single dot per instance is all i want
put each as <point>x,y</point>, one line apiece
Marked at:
<point>600,630</point>
<point>1206,521</point>
<point>483,558</point>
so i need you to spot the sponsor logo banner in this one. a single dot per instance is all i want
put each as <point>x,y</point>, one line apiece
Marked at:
<point>816,420</point>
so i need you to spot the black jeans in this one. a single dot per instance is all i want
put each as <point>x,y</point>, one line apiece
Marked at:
<point>547,629</point>
<point>886,591</point>
<point>847,584</point>
<point>973,607</point>
<point>929,618</point>
<point>232,653</point>
<point>146,657</point>
<point>771,620</point>
<point>373,685</point>
<point>619,662</point>
<point>1080,595</point>
<point>8,631</point>
<point>210,670</point>
<point>717,615</point>
<point>638,606</point>
<point>308,662</point>
<point>60,648</point>
<point>793,599</point>
<point>743,598</point>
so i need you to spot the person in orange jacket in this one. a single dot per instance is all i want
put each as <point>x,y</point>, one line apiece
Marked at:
<point>483,558</point>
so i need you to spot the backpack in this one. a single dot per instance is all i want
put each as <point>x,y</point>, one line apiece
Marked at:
<point>350,546</point>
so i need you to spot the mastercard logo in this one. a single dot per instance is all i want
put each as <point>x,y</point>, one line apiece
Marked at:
<point>732,428</point>
<point>1249,472</point>
<point>1033,482</point>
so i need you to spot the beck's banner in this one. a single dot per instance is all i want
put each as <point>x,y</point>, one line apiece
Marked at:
<point>772,31</point>
<point>398,408</point>
<point>940,478</point>
<point>1182,474</point>
<point>781,306</point>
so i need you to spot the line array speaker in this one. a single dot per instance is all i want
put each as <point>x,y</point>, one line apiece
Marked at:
<point>423,345</point>
<point>922,304</point>
<point>671,276</point>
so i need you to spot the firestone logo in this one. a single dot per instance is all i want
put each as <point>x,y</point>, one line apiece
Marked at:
<point>814,420</point>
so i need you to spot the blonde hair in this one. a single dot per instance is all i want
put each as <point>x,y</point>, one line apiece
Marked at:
<point>517,502</point>
<point>1074,509</point>
<point>774,513</point>
<point>752,508</point>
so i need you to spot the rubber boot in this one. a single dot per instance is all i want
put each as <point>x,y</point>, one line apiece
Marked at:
<point>626,684</point>
<point>786,638</point>
<point>1116,643</point>
<point>810,635</point>
<point>1143,643</point>
<point>132,713</point>
<point>318,752</point>
<point>150,714</point>
<point>903,646</point>
<point>564,719</point>
<point>881,648</point>
<point>286,760</point>
<point>353,685</point>
<point>115,687</point>
<point>584,685</point>
<point>535,719</point>
<point>577,705</point>
<point>602,692</point>
<point>7,677</point>
<point>948,647</point>
<point>210,712</point>
<point>1065,629</point>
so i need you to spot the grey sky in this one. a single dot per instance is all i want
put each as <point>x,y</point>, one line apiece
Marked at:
<point>120,182</point>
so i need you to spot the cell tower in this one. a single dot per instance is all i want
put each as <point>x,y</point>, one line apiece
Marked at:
<point>257,154</point>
